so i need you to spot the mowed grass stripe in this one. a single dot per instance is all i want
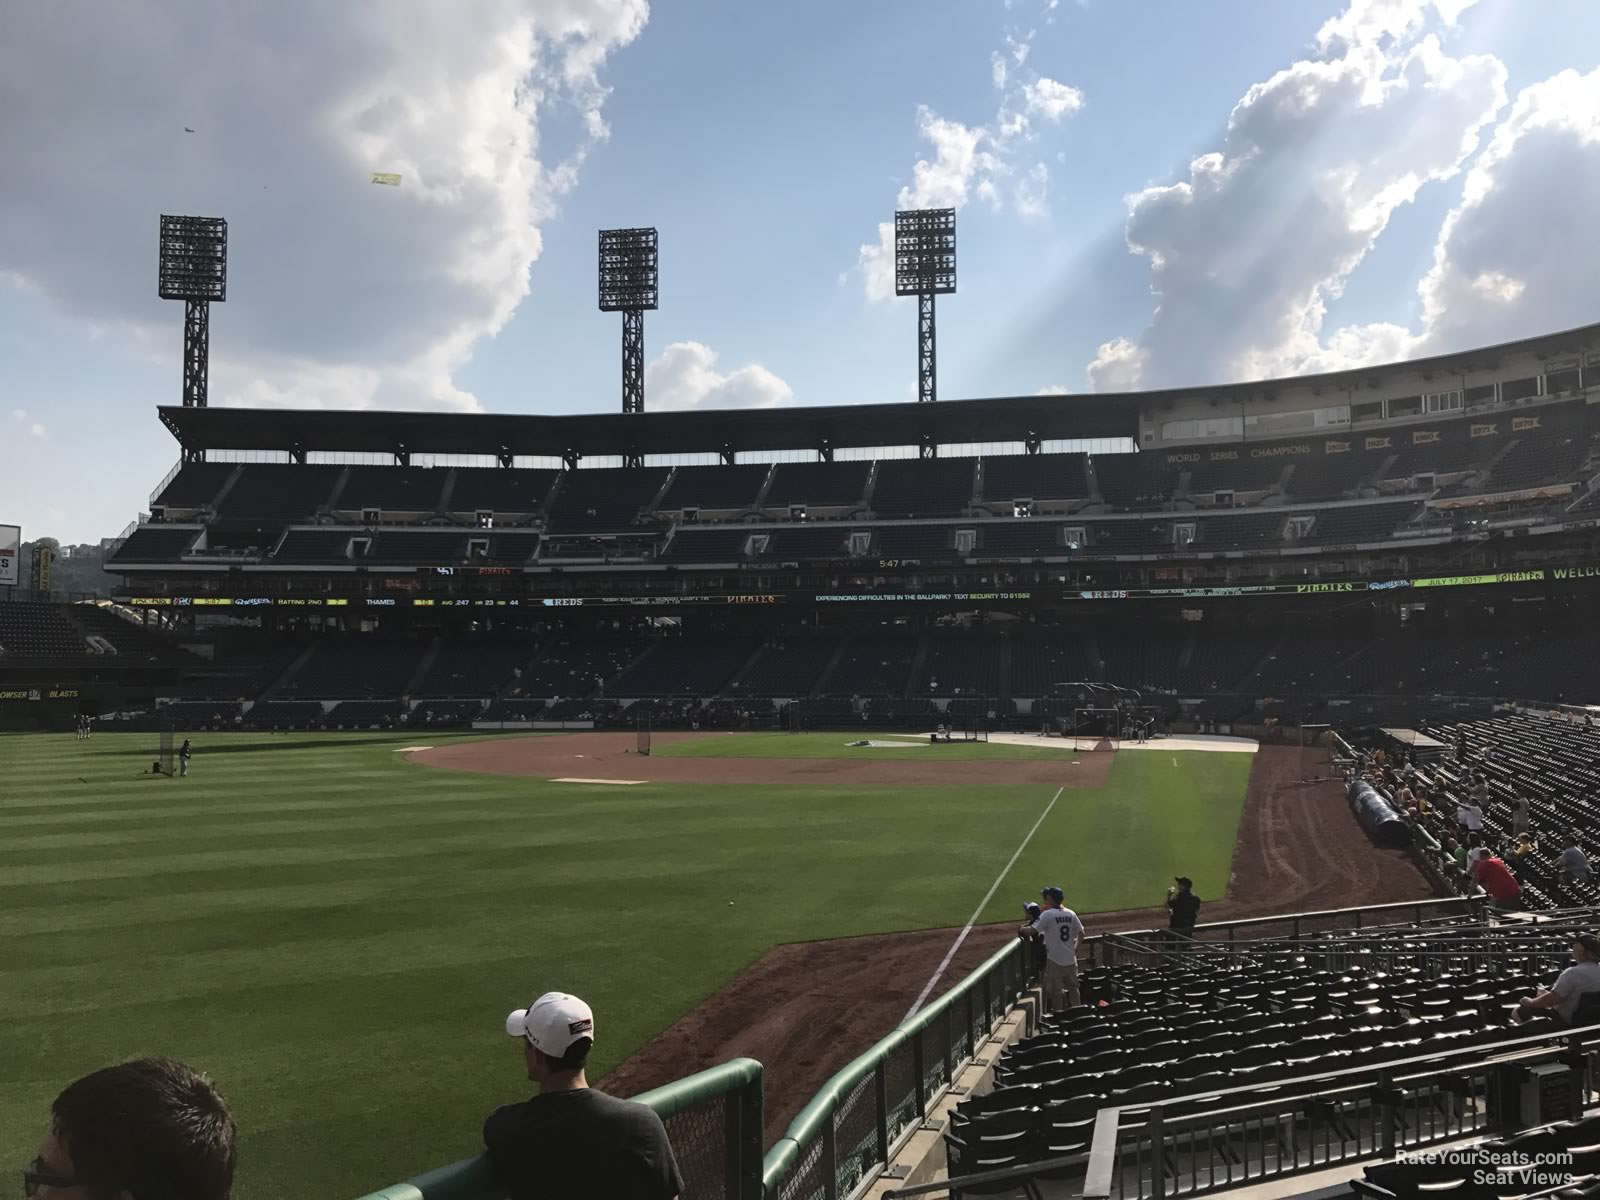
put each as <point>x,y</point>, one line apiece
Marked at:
<point>344,978</point>
<point>1160,815</point>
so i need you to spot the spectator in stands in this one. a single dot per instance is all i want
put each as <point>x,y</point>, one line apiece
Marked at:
<point>1494,877</point>
<point>569,1139</point>
<point>1524,847</point>
<point>1455,854</point>
<point>1060,930</point>
<point>1030,915</point>
<point>1581,979</point>
<point>1521,815</point>
<point>150,1127</point>
<point>1480,793</point>
<point>1183,909</point>
<point>1469,815</point>
<point>1475,850</point>
<point>1574,863</point>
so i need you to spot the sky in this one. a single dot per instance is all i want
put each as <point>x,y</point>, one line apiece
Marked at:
<point>1150,193</point>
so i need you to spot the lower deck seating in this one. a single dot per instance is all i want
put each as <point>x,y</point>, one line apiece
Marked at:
<point>38,630</point>
<point>1260,1023</point>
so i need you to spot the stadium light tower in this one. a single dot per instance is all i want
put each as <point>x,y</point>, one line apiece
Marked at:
<point>194,269</point>
<point>629,283</point>
<point>925,267</point>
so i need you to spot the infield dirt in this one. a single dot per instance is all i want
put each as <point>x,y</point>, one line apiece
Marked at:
<point>613,756</point>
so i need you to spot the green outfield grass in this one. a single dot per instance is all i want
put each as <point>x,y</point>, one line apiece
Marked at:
<point>837,745</point>
<point>336,935</point>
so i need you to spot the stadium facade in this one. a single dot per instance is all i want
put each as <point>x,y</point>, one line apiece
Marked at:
<point>1411,529</point>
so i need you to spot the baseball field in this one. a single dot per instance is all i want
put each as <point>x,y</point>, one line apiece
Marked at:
<point>334,926</point>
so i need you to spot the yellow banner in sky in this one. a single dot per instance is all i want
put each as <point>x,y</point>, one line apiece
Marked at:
<point>386,177</point>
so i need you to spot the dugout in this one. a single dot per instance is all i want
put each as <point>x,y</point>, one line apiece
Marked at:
<point>1418,747</point>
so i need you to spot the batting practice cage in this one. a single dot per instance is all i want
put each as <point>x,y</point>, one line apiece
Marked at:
<point>166,752</point>
<point>1316,749</point>
<point>644,735</point>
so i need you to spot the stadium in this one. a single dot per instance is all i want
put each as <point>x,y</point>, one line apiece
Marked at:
<point>757,728</point>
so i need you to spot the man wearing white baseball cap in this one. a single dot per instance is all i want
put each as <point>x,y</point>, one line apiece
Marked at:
<point>570,1140</point>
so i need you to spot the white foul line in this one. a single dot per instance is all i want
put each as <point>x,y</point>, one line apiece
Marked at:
<point>982,904</point>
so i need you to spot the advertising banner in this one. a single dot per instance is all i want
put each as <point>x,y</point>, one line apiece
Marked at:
<point>10,554</point>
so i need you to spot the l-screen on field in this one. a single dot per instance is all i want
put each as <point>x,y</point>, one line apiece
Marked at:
<point>335,930</point>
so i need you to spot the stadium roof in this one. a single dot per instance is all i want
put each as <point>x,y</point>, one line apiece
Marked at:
<point>948,422</point>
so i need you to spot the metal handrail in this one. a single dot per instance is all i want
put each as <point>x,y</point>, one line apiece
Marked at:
<point>475,1178</point>
<point>1194,955</point>
<point>816,1120</point>
<point>1103,1145</point>
<point>1417,907</point>
<point>1442,940</point>
<point>978,1178</point>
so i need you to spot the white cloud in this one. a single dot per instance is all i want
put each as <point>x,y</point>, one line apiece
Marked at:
<point>685,377</point>
<point>36,429</point>
<point>340,293</point>
<point>975,160</point>
<point>1118,366</point>
<point>1054,389</point>
<point>1519,254</point>
<point>1050,99</point>
<point>1246,251</point>
<point>944,181</point>
<point>1515,256</point>
<point>1032,192</point>
<point>20,414</point>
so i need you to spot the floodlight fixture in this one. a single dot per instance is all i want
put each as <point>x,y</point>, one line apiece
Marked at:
<point>194,269</point>
<point>630,280</point>
<point>194,258</point>
<point>925,267</point>
<point>925,252</point>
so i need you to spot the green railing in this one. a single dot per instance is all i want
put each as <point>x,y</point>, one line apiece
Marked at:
<point>840,1140</point>
<point>861,1117</point>
<point>713,1120</point>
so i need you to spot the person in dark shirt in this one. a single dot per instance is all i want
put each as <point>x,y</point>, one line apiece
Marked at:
<point>569,1140</point>
<point>1183,908</point>
<point>1030,911</point>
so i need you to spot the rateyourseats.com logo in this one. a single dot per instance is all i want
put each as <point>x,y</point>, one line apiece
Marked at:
<point>1501,1168</point>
